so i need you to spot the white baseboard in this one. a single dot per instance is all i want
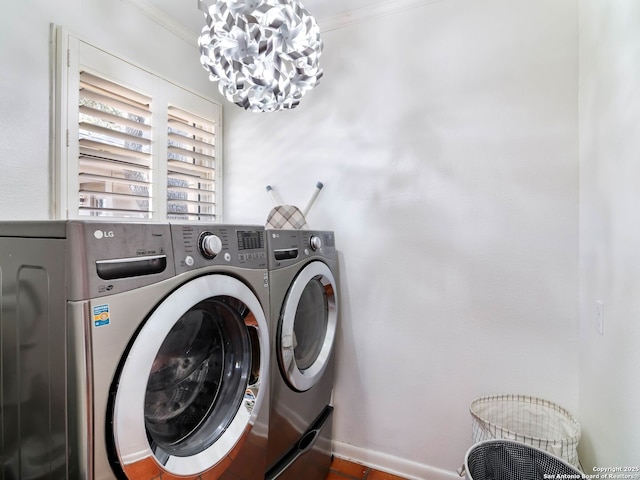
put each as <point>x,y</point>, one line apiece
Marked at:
<point>390,464</point>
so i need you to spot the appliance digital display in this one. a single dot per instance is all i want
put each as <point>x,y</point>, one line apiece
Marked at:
<point>250,239</point>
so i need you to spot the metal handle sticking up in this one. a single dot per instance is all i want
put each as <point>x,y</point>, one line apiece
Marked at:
<point>311,201</point>
<point>273,196</point>
<point>314,195</point>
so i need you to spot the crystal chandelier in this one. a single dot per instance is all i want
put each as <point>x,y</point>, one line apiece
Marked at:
<point>264,54</point>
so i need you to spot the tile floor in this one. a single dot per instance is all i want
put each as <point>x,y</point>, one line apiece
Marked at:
<point>345,470</point>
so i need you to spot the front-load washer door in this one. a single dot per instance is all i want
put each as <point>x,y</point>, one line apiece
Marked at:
<point>189,389</point>
<point>307,326</point>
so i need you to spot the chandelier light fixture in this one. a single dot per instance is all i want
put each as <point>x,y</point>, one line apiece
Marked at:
<point>264,54</point>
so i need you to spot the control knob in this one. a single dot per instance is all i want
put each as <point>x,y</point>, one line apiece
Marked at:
<point>209,245</point>
<point>315,243</point>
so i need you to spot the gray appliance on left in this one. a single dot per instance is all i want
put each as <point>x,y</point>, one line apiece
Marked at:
<point>133,351</point>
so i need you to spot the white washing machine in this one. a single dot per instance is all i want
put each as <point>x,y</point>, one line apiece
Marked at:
<point>303,273</point>
<point>133,351</point>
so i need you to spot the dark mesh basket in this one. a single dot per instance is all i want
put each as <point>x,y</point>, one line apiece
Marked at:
<point>509,460</point>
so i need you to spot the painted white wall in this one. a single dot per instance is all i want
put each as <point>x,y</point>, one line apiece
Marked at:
<point>116,26</point>
<point>446,136</point>
<point>610,232</point>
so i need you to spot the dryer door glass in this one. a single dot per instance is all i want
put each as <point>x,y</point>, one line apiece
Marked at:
<point>307,326</point>
<point>310,324</point>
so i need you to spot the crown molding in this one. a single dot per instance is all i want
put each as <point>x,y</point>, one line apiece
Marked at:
<point>164,20</point>
<point>379,9</point>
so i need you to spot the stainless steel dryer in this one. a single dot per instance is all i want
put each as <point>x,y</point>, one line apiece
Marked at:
<point>303,272</point>
<point>133,351</point>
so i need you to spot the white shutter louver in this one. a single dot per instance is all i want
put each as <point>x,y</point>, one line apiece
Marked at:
<point>114,165</point>
<point>190,166</point>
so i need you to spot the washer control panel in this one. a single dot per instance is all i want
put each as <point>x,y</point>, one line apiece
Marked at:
<point>197,246</point>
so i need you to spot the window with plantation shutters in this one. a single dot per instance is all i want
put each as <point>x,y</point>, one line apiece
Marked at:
<point>129,144</point>
<point>190,166</point>
<point>114,164</point>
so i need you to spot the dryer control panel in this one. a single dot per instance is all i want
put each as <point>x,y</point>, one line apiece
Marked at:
<point>287,247</point>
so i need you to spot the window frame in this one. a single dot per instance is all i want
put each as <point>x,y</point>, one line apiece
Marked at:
<point>71,55</point>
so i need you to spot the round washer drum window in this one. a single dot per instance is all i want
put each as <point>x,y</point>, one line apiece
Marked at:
<point>205,349</point>
<point>198,379</point>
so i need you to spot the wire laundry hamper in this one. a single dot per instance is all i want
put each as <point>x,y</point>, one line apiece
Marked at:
<point>530,420</point>
<point>509,460</point>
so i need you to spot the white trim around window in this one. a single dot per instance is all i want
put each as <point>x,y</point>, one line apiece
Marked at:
<point>129,144</point>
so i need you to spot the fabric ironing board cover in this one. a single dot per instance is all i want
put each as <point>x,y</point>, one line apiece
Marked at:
<point>286,217</point>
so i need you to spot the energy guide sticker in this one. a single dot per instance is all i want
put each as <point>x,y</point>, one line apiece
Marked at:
<point>101,315</point>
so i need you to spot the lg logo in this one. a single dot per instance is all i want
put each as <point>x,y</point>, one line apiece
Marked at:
<point>100,234</point>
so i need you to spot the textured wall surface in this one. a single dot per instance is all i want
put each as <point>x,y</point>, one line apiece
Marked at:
<point>609,233</point>
<point>446,136</point>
